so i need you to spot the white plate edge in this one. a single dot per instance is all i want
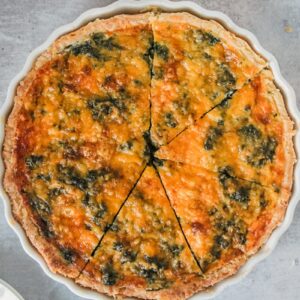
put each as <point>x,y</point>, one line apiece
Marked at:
<point>135,6</point>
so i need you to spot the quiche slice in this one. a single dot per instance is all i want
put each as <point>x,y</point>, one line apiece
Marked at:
<point>225,219</point>
<point>144,254</point>
<point>250,133</point>
<point>197,64</point>
<point>74,144</point>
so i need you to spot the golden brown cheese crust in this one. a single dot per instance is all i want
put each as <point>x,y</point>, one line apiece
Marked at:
<point>250,133</point>
<point>222,216</point>
<point>90,115</point>
<point>45,117</point>
<point>195,68</point>
<point>145,248</point>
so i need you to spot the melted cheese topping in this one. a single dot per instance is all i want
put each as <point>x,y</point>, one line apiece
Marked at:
<point>245,133</point>
<point>145,244</point>
<point>93,117</point>
<point>86,113</point>
<point>194,69</point>
<point>222,217</point>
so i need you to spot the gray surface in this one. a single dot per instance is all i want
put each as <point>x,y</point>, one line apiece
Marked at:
<point>25,24</point>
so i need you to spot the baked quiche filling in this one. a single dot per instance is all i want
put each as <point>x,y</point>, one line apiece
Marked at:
<point>148,155</point>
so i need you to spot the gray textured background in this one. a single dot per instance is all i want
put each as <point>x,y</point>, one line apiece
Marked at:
<point>25,24</point>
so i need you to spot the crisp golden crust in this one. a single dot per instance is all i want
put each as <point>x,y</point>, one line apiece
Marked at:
<point>288,132</point>
<point>194,193</point>
<point>181,290</point>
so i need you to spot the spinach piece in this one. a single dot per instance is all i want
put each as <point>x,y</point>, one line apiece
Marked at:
<point>241,194</point>
<point>225,174</point>
<point>118,246</point>
<point>104,173</point>
<point>182,105</point>
<point>86,48</point>
<point>207,56</point>
<point>205,37</point>
<point>170,120</point>
<point>45,227</point>
<point>102,41</point>
<point>43,210</point>
<point>88,201</point>
<point>128,256</point>
<point>161,50</point>
<point>263,153</point>
<point>216,252</point>
<point>67,254</point>
<point>225,78</point>
<point>229,231</point>
<point>263,148</point>
<point>102,210</point>
<point>69,175</point>
<point>233,188</point>
<point>250,132</point>
<point>160,263</point>
<point>33,161</point>
<point>55,192</point>
<point>71,152</point>
<point>94,46</point>
<point>214,133</point>
<point>150,274</point>
<point>175,249</point>
<point>109,275</point>
<point>44,177</point>
<point>38,204</point>
<point>221,241</point>
<point>101,108</point>
<point>148,55</point>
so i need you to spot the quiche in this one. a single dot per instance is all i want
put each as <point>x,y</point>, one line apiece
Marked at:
<point>148,155</point>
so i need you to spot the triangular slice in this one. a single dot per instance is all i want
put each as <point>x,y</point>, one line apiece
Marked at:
<point>197,63</point>
<point>251,133</point>
<point>223,218</point>
<point>75,140</point>
<point>144,254</point>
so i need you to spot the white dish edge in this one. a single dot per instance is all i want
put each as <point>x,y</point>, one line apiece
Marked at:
<point>132,6</point>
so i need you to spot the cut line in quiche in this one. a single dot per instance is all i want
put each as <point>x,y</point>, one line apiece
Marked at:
<point>75,141</point>
<point>148,155</point>
<point>222,217</point>
<point>144,251</point>
<point>250,133</point>
<point>197,64</point>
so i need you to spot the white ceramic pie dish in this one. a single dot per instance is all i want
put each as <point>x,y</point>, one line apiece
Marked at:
<point>135,6</point>
<point>7,292</point>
